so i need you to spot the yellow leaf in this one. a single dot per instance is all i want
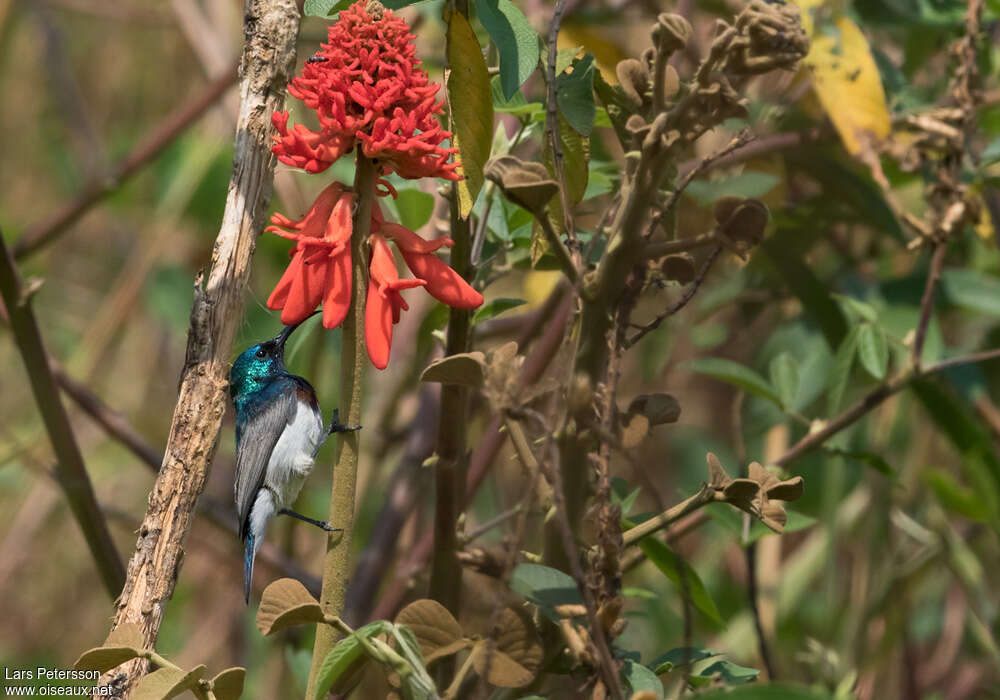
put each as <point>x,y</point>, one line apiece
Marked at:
<point>845,77</point>
<point>607,53</point>
<point>538,285</point>
<point>471,102</point>
<point>984,225</point>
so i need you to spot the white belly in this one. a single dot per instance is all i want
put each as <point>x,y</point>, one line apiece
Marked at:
<point>293,455</point>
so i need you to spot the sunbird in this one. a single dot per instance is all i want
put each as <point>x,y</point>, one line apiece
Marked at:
<point>279,430</point>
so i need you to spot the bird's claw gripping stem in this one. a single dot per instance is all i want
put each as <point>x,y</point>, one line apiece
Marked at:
<point>337,427</point>
<point>321,524</point>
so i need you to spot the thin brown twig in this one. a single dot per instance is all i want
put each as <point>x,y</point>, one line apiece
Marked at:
<point>741,139</point>
<point>761,146</point>
<point>609,671</point>
<point>688,295</point>
<point>874,399</point>
<point>70,471</point>
<point>927,302</point>
<point>147,150</point>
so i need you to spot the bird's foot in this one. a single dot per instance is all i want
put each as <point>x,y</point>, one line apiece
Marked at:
<point>337,427</point>
<point>321,524</point>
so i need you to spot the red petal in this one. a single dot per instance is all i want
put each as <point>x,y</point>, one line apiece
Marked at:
<point>382,266</point>
<point>443,283</point>
<point>407,241</point>
<point>339,224</point>
<point>306,291</point>
<point>279,296</point>
<point>337,301</point>
<point>378,326</point>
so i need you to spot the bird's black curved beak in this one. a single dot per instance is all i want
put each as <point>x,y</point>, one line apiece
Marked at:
<point>279,340</point>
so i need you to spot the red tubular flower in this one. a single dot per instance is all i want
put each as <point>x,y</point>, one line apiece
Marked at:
<point>369,89</point>
<point>320,270</point>
<point>384,302</point>
<point>443,283</point>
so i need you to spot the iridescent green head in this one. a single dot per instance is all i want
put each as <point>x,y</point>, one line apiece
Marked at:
<point>258,364</point>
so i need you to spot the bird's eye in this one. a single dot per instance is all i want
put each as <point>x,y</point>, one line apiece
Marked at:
<point>261,353</point>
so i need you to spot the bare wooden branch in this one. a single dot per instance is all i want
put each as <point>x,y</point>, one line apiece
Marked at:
<point>270,28</point>
<point>70,470</point>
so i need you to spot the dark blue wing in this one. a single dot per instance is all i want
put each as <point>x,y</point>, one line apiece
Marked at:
<point>265,423</point>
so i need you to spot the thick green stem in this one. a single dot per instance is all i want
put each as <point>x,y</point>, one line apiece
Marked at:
<point>452,445</point>
<point>336,564</point>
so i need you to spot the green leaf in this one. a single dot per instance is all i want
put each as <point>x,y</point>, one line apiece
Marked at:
<point>873,349</point>
<point>343,656</point>
<point>679,656</point>
<point>673,567</point>
<point>415,208</point>
<point>841,372</point>
<point>636,592</point>
<point>515,40</point>
<point>859,308</point>
<point>639,678</point>
<point>750,183</point>
<point>496,307</point>
<point>471,103</point>
<point>347,651</point>
<point>324,8</point>
<point>786,259</point>
<point>956,497</point>
<point>784,370</point>
<point>622,495</point>
<point>991,154</point>
<point>730,673</point>
<point>545,587</point>
<point>575,94</point>
<point>516,104</point>
<point>565,58</point>
<point>736,374</point>
<point>576,160</point>
<point>972,290</point>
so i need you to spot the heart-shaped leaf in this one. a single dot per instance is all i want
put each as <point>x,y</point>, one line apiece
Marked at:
<point>432,624</point>
<point>123,644</point>
<point>167,683</point>
<point>465,369</point>
<point>228,685</point>
<point>286,603</point>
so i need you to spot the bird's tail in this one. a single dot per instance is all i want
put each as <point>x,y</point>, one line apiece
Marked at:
<point>249,554</point>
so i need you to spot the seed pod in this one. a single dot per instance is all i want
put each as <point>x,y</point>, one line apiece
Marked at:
<point>679,268</point>
<point>725,207</point>
<point>746,223</point>
<point>637,128</point>
<point>528,185</point>
<point>671,32</point>
<point>671,81</point>
<point>633,77</point>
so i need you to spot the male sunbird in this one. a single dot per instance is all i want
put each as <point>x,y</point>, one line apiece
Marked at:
<point>279,430</point>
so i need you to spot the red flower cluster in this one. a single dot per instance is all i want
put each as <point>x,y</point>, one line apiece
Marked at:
<point>369,92</point>
<point>366,85</point>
